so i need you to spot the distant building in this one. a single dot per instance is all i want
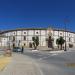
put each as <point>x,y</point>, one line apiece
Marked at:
<point>23,37</point>
<point>3,41</point>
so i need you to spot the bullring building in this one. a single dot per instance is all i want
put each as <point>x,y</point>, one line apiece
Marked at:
<point>23,37</point>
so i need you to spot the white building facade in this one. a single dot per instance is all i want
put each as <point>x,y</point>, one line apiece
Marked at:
<point>23,37</point>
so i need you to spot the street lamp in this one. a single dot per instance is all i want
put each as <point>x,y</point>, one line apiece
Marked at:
<point>65,37</point>
<point>65,22</point>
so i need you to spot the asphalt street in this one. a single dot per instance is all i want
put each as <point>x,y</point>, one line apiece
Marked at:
<point>53,63</point>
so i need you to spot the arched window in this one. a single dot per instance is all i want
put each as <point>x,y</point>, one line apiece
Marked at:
<point>24,32</point>
<point>36,32</point>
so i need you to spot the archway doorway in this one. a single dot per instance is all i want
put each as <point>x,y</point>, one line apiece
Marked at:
<point>13,45</point>
<point>50,45</point>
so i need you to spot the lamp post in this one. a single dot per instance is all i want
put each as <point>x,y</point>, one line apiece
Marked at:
<point>65,37</point>
<point>65,22</point>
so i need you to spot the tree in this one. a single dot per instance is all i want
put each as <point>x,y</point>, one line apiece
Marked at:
<point>60,41</point>
<point>35,41</point>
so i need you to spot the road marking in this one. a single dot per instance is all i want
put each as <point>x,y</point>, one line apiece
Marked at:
<point>34,50</point>
<point>39,69</point>
<point>40,58</point>
<point>54,54</point>
<point>70,64</point>
<point>4,61</point>
<point>43,58</point>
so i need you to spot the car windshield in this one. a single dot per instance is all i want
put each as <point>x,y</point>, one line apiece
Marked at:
<point>16,48</point>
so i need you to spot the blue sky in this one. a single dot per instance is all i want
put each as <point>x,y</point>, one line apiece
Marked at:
<point>36,13</point>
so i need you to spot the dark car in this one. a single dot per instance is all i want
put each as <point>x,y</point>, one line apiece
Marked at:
<point>17,49</point>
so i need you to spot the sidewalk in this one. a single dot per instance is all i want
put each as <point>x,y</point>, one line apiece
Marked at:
<point>21,65</point>
<point>4,61</point>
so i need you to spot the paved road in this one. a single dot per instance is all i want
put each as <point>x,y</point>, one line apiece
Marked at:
<point>54,63</point>
<point>19,65</point>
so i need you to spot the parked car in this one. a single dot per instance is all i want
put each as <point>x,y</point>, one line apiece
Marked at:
<point>17,49</point>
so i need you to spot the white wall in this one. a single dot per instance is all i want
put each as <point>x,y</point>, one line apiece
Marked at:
<point>19,32</point>
<point>44,34</point>
<point>4,42</point>
<point>43,40</point>
<point>56,33</point>
<point>30,32</point>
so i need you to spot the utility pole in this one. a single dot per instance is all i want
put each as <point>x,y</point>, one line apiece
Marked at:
<point>65,37</point>
<point>65,23</point>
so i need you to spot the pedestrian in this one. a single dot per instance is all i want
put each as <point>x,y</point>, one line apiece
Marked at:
<point>22,50</point>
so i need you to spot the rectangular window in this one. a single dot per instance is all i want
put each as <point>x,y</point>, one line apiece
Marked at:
<point>69,39</point>
<point>24,37</point>
<point>13,38</point>
<point>24,44</point>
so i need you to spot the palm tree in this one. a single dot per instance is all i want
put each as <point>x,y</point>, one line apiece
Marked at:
<point>35,41</point>
<point>60,41</point>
